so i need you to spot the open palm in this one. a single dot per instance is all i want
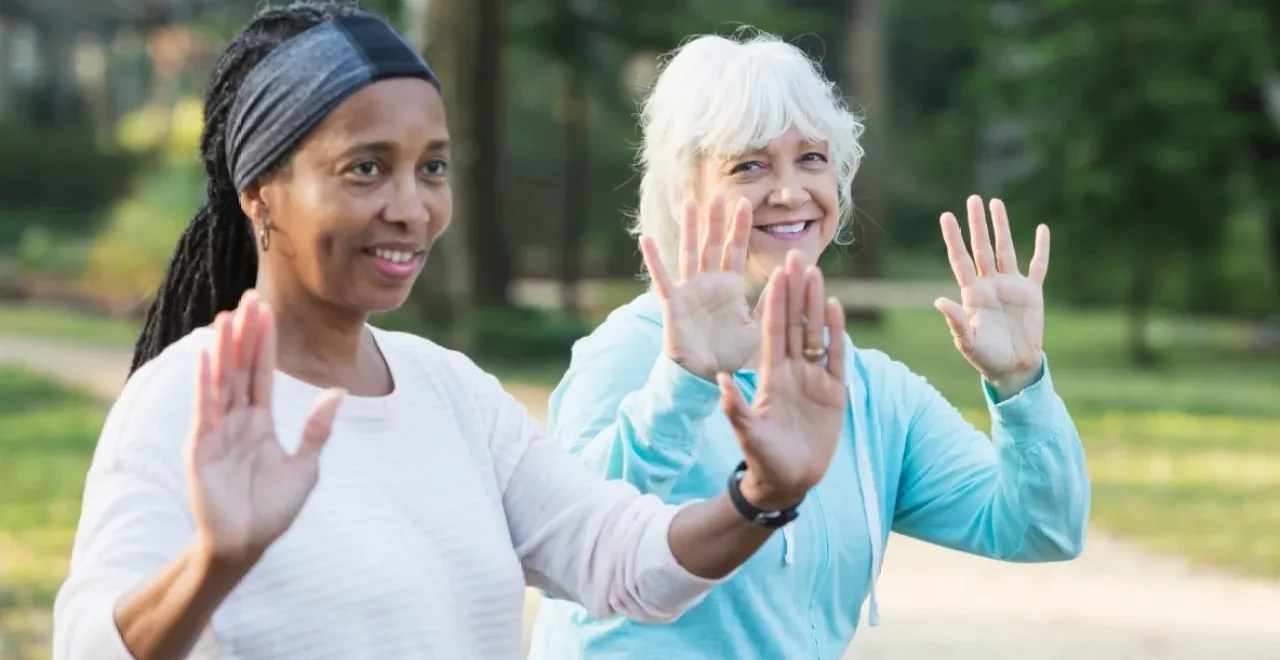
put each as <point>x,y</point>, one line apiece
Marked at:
<point>707,325</point>
<point>999,324</point>
<point>789,432</point>
<point>246,490</point>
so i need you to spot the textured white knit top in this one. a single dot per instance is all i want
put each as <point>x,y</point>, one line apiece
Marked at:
<point>436,505</point>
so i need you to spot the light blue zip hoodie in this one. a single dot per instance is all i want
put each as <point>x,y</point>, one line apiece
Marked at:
<point>907,461</point>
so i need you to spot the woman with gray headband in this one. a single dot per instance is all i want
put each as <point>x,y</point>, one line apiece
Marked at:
<point>401,515</point>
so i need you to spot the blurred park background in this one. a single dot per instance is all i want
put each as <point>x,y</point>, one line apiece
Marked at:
<point>1146,134</point>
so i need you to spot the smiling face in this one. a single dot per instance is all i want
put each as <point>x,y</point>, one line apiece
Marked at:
<point>793,191</point>
<point>752,116</point>
<point>360,201</point>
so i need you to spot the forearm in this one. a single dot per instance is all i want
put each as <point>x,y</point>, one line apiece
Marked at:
<point>1045,493</point>
<point>165,617</point>
<point>710,539</point>
<point>1022,495</point>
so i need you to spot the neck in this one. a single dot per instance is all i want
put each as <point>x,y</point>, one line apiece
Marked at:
<point>316,339</point>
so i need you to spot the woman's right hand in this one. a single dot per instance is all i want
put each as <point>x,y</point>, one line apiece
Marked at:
<point>708,326</point>
<point>245,489</point>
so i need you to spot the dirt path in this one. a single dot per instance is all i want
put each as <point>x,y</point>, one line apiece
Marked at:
<point>1115,603</point>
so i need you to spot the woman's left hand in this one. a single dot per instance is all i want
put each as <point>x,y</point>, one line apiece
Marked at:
<point>790,431</point>
<point>999,324</point>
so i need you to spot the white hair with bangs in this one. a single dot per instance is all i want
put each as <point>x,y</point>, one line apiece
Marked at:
<point>724,96</point>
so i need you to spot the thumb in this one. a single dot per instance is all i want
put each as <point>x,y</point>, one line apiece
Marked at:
<point>319,424</point>
<point>957,322</point>
<point>735,406</point>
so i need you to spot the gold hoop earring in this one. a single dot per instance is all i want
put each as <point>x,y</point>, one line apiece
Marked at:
<point>264,236</point>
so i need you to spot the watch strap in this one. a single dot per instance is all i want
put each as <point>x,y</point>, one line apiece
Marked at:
<point>755,515</point>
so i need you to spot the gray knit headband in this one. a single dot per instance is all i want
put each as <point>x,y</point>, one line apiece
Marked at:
<point>294,87</point>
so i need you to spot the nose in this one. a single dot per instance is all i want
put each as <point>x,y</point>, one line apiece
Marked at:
<point>406,203</point>
<point>788,192</point>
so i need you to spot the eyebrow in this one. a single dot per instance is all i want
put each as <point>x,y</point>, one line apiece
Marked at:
<point>804,144</point>
<point>384,146</point>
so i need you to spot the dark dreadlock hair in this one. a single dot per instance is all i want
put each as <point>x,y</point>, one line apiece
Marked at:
<point>216,258</point>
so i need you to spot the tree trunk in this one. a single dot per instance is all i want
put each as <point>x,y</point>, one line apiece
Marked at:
<point>443,294</point>
<point>577,159</point>
<point>492,268</point>
<point>866,86</point>
<point>6,66</point>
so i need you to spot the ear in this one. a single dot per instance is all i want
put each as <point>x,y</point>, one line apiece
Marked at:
<point>254,205</point>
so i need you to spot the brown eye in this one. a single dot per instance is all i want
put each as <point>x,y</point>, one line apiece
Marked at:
<point>436,167</point>
<point>366,169</point>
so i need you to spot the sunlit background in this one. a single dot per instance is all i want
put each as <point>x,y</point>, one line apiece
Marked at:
<point>1146,134</point>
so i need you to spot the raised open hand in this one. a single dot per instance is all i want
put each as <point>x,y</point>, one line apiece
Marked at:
<point>999,328</point>
<point>790,430</point>
<point>245,489</point>
<point>707,325</point>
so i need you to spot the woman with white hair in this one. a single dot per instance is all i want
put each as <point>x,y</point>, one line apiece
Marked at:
<point>747,158</point>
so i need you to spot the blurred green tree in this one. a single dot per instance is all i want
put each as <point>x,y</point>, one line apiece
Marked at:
<point>1118,129</point>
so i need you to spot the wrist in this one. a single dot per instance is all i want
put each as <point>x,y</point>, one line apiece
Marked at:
<point>765,496</point>
<point>216,566</point>
<point>701,372</point>
<point>1010,385</point>
<point>208,578</point>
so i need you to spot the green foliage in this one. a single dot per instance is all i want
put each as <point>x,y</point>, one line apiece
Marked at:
<point>514,336</point>
<point>511,336</point>
<point>1132,134</point>
<point>66,170</point>
<point>172,132</point>
<point>128,258</point>
<point>44,252</point>
<point>16,223</point>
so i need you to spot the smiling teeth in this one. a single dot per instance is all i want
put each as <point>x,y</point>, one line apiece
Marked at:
<point>394,256</point>
<point>793,228</point>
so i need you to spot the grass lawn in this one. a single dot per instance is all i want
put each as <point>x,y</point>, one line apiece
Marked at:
<point>1183,457</point>
<point>58,323</point>
<point>47,435</point>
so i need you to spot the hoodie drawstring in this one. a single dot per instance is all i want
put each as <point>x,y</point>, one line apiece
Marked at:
<point>871,504</point>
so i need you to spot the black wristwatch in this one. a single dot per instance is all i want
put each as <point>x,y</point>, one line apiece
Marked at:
<point>754,514</point>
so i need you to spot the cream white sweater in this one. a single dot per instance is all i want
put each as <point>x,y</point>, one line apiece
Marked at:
<point>436,505</point>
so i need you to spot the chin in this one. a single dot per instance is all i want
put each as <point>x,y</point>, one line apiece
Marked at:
<point>382,302</point>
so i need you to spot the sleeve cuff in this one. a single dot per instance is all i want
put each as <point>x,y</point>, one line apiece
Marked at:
<point>669,589</point>
<point>1032,409</point>
<point>95,633</point>
<point>673,389</point>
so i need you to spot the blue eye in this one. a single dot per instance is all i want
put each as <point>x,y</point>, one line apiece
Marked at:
<point>746,167</point>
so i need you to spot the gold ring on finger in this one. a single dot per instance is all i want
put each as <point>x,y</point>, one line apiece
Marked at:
<point>813,354</point>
